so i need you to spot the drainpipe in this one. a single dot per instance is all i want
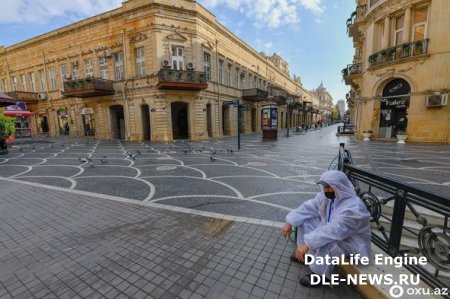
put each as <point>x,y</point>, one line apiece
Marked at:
<point>218,87</point>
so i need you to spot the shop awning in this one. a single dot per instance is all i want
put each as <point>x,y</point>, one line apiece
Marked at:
<point>18,113</point>
<point>6,100</point>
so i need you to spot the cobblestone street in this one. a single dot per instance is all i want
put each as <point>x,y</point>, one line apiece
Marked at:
<point>181,220</point>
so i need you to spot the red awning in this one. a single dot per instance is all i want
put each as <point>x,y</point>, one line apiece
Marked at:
<point>18,113</point>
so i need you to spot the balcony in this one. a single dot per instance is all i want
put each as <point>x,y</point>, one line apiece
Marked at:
<point>254,94</point>
<point>278,95</point>
<point>24,96</point>
<point>88,87</point>
<point>399,53</point>
<point>351,71</point>
<point>182,80</point>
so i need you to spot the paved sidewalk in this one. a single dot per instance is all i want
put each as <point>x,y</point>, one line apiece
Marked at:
<point>57,244</point>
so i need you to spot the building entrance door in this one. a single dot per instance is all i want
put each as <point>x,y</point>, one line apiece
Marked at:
<point>393,110</point>
<point>180,120</point>
<point>146,128</point>
<point>117,122</point>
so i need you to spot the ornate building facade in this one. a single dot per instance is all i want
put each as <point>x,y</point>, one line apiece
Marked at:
<point>399,77</point>
<point>325,103</point>
<point>150,70</point>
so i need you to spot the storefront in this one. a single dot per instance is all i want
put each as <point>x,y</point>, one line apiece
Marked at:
<point>22,119</point>
<point>393,108</point>
<point>63,121</point>
<point>87,115</point>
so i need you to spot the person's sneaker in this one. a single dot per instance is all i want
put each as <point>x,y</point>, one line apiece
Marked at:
<point>306,281</point>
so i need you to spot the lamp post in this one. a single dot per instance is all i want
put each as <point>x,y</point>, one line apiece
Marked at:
<point>289,102</point>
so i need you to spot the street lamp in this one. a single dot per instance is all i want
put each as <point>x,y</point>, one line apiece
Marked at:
<point>289,103</point>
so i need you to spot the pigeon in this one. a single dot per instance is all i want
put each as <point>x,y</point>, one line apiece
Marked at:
<point>231,151</point>
<point>91,164</point>
<point>20,148</point>
<point>62,145</point>
<point>212,158</point>
<point>185,151</point>
<point>214,152</point>
<point>138,152</point>
<point>82,160</point>
<point>104,156</point>
<point>103,161</point>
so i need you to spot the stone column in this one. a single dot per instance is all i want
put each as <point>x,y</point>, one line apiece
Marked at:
<point>387,33</point>
<point>407,25</point>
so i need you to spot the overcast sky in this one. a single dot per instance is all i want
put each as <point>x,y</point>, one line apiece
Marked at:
<point>310,34</point>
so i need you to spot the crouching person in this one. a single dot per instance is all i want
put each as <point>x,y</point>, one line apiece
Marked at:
<point>334,223</point>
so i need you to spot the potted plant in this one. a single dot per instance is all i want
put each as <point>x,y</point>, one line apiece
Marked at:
<point>367,134</point>
<point>373,58</point>
<point>7,128</point>
<point>405,49</point>
<point>390,53</point>
<point>418,47</point>
<point>401,136</point>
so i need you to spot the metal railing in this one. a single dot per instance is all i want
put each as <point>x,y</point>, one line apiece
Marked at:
<point>88,84</point>
<point>352,69</point>
<point>417,225</point>
<point>402,51</point>
<point>186,76</point>
<point>254,93</point>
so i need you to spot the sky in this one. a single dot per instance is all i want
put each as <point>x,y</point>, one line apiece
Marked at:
<point>311,35</point>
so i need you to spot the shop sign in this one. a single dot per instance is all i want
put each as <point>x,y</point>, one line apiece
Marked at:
<point>398,103</point>
<point>87,110</point>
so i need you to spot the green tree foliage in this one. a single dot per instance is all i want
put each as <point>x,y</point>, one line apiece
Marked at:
<point>7,127</point>
<point>335,114</point>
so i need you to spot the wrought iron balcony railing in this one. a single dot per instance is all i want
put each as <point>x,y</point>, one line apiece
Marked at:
<point>352,69</point>
<point>182,80</point>
<point>254,94</point>
<point>407,220</point>
<point>88,87</point>
<point>24,96</point>
<point>403,51</point>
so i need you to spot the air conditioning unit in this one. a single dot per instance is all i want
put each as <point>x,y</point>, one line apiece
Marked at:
<point>166,64</point>
<point>107,53</point>
<point>436,100</point>
<point>190,66</point>
<point>42,96</point>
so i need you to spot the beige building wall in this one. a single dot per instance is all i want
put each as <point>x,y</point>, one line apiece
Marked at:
<point>156,26</point>
<point>424,66</point>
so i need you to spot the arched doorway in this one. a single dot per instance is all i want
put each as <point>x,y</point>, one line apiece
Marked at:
<point>209,123</point>
<point>394,102</point>
<point>226,125</point>
<point>145,118</point>
<point>180,120</point>
<point>117,122</point>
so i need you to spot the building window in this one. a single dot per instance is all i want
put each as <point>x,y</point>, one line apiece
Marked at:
<point>14,83</point>
<point>420,24</point>
<point>63,73</point>
<point>89,68</point>
<point>118,66</point>
<point>177,58</point>
<point>220,71</point>
<point>52,75</point>
<point>103,67</point>
<point>23,81</point>
<point>228,75</point>
<point>42,80</point>
<point>75,70</point>
<point>140,62</point>
<point>4,85</point>
<point>207,65</point>
<point>398,31</point>
<point>32,82</point>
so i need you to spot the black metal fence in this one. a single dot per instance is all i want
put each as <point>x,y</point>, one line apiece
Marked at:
<point>407,220</point>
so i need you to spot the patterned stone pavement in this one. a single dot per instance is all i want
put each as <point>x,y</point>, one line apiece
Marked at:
<point>184,220</point>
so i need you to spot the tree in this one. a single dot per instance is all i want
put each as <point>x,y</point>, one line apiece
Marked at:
<point>7,128</point>
<point>335,114</point>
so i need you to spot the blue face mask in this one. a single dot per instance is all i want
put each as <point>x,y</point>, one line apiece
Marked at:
<point>330,195</point>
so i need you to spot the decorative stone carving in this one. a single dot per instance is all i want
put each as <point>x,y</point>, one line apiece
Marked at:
<point>138,38</point>
<point>176,36</point>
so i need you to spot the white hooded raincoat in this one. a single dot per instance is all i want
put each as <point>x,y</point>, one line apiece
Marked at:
<point>346,232</point>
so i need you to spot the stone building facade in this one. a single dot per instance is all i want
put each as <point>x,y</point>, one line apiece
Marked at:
<point>400,77</point>
<point>325,103</point>
<point>150,70</point>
